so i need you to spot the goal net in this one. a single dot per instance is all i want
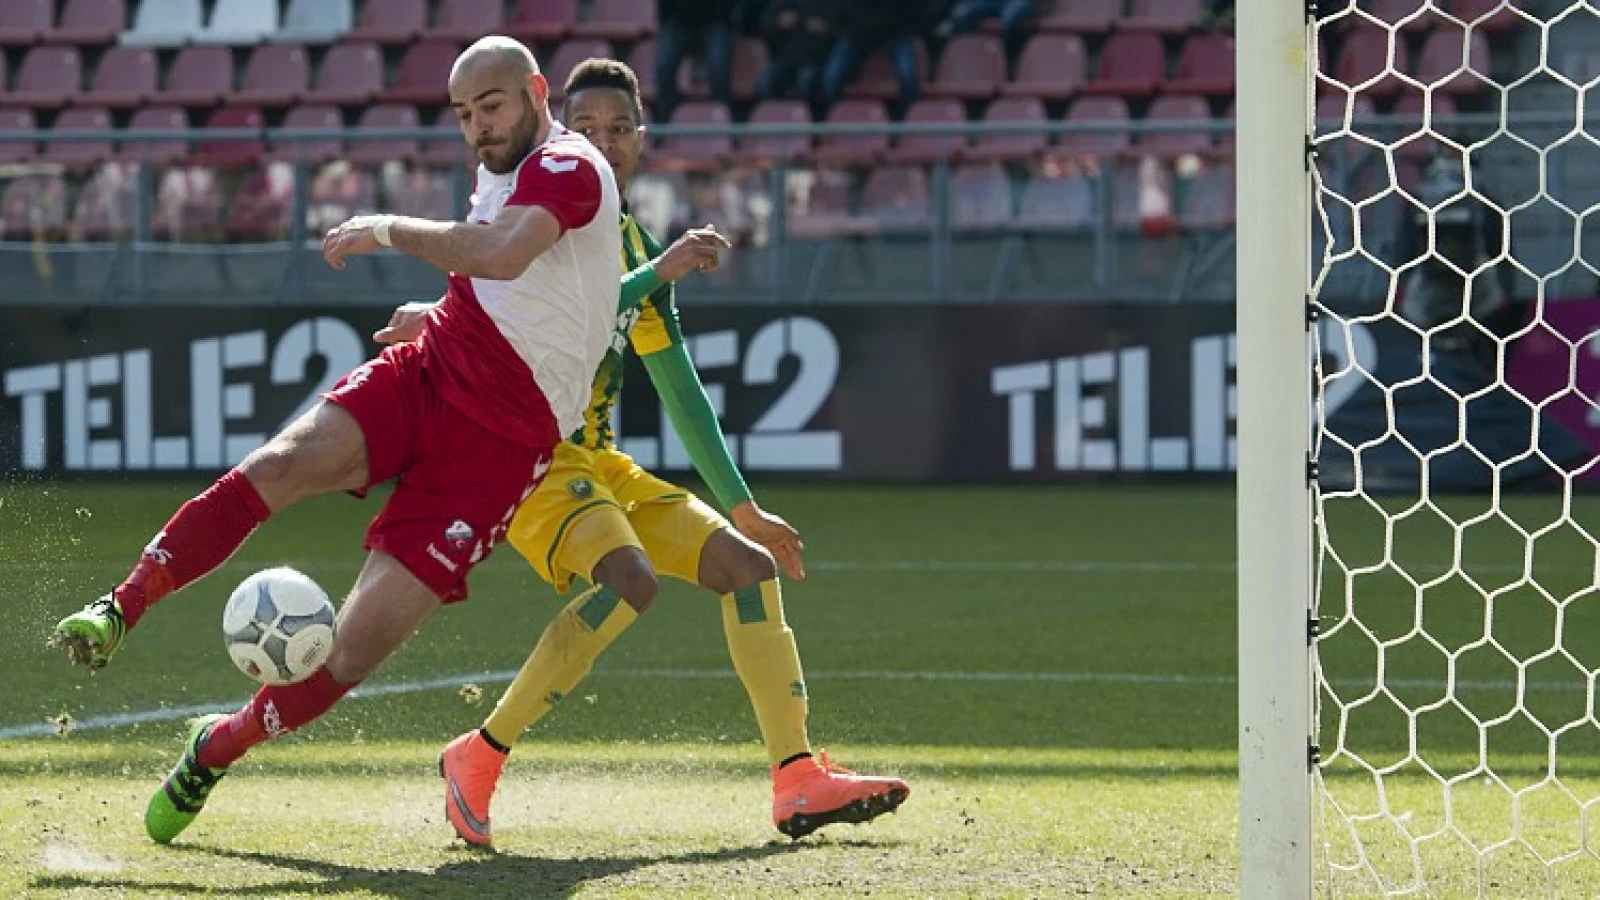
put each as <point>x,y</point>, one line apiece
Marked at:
<point>1455,252</point>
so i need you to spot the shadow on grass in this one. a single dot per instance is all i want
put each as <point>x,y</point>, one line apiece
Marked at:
<point>479,874</point>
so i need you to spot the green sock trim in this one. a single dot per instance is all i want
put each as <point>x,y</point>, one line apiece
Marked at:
<point>747,604</point>
<point>598,608</point>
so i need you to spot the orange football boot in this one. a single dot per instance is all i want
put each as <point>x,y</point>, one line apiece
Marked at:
<point>812,792</point>
<point>470,768</point>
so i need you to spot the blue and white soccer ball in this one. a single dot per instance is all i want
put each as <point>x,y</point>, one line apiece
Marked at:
<point>278,626</point>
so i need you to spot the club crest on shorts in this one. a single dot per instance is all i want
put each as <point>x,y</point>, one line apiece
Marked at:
<point>459,534</point>
<point>581,488</point>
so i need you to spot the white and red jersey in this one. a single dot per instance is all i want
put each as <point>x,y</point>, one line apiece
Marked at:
<point>519,356</point>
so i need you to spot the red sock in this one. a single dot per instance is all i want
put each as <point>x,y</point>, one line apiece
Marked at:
<point>273,712</point>
<point>200,536</point>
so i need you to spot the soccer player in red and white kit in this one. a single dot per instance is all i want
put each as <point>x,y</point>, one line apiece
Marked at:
<point>464,420</point>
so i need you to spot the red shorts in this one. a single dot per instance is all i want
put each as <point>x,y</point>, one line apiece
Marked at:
<point>457,484</point>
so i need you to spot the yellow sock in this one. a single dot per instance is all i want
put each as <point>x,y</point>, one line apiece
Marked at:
<point>565,651</point>
<point>765,656</point>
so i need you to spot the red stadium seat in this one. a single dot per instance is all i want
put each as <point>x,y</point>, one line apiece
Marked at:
<point>106,204</point>
<point>1132,64</point>
<point>1365,56</point>
<point>79,154</point>
<point>617,20</point>
<point>158,153</point>
<point>764,150</point>
<point>235,153</point>
<point>426,194</point>
<point>351,74</point>
<point>391,21</point>
<point>1082,16</point>
<point>877,81</point>
<point>1418,143</point>
<point>973,66</point>
<point>1455,61</point>
<point>993,147</point>
<point>1487,15</point>
<point>927,148</point>
<point>18,121</point>
<point>261,206</point>
<point>1210,202</point>
<point>1053,66</point>
<point>1097,144</point>
<point>854,149</point>
<point>24,23</point>
<point>542,21</point>
<point>698,153</point>
<point>1057,202</point>
<point>337,194</point>
<point>567,57</point>
<point>314,151</point>
<point>1205,66</point>
<point>449,151</point>
<point>48,78</point>
<point>424,73</point>
<point>188,205</point>
<point>1392,12</point>
<point>642,60</point>
<point>276,75</point>
<point>980,198</point>
<point>467,20</point>
<point>1164,16</point>
<point>126,77</point>
<point>91,23</point>
<point>33,205</point>
<point>199,76</point>
<point>378,151</point>
<point>819,207</point>
<point>1172,144</point>
<point>897,199</point>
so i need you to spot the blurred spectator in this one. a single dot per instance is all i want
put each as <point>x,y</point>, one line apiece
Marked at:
<point>799,34</point>
<point>964,15</point>
<point>706,25</point>
<point>865,27</point>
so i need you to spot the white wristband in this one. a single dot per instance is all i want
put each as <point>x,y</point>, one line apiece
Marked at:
<point>381,230</point>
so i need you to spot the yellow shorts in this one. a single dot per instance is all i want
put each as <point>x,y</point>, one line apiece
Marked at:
<point>592,502</point>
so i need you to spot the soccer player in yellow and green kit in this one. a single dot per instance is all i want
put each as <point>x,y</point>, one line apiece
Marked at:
<point>599,516</point>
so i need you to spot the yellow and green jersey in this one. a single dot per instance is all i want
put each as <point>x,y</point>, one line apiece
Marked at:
<point>651,326</point>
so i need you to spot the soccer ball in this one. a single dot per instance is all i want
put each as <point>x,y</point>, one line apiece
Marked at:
<point>278,626</point>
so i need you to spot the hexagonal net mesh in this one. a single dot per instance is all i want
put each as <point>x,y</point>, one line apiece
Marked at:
<point>1456,188</point>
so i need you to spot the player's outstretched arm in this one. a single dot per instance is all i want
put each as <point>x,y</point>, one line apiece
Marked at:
<point>698,250</point>
<point>499,251</point>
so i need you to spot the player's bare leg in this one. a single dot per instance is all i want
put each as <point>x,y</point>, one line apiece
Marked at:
<point>385,607</point>
<point>808,790</point>
<point>625,585</point>
<point>321,452</point>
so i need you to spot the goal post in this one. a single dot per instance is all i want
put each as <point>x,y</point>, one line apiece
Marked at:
<point>1274,441</point>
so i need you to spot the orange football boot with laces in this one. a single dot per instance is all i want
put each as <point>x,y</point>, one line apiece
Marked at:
<point>812,792</point>
<point>470,768</point>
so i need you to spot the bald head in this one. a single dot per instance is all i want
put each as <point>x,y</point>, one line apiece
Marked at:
<point>496,54</point>
<point>501,101</point>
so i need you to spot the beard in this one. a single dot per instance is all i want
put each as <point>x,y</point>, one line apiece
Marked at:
<point>504,155</point>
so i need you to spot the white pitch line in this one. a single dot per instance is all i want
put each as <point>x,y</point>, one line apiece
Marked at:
<point>173,713</point>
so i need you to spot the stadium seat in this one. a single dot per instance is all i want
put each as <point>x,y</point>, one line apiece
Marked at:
<point>316,21</point>
<point>79,154</point>
<point>1391,12</point>
<point>1132,64</point>
<point>158,153</point>
<point>235,153</point>
<point>854,149</point>
<point>1058,202</point>
<point>927,148</point>
<point>1209,203</point>
<point>819,205</point>
<point>1488,15</point>
<point>1205,66</point>
<point>1096,144</point>
<point>391,21</point>
<point>1414,142</point>
<point>1052,66</point>
<point>261,206</point>
<point>1440,65</point>
<point>91,23</point>
<point>48,78</point>
<point>126,77</point>
<point>876,80</point>
<point>164,23</point>
<point>449,151</point>
<point>617,20</point>
<point>314,151</point>
<point>467,20</point>
<point>198,76</point>
<point>698,153</point>
<point>542,21</point>
<point>351,74</point>
<point>188,205</point>
<point>105,206</point>
<point>1365,56</point>
<point>24,23</point>
<point>276,75</point>
<point>897,199</point>
<point>1173,144</point>
<point>424,73</point>
<point>980,198</point>
<point>642,59</point>
<point>33,205</point>
<point>240,22</point>
<point>762,151</point>
<point>972,66</point>
<point>18,121</point>
<point>567,57</point>
<point>426,194</point>
<point>338,193</point>
<point>1001,146</point>
<point>378,151</point>
<point>1082,16</point>
<point>1162,16</point>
